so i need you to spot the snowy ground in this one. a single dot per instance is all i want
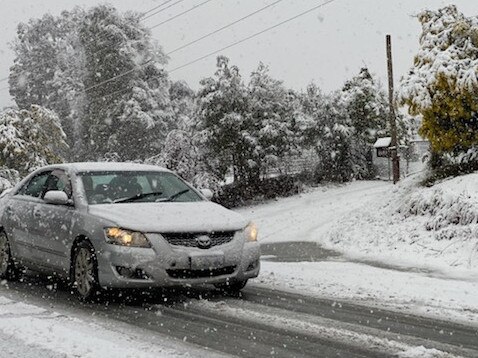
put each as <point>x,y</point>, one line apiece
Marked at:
<point>380,265</point>
<point>389,257</point>
<point>28,330</point>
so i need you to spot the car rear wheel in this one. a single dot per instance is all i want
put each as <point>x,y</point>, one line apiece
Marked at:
<point>8,270</point>
<point>232,287</point>
<point>85,272</point>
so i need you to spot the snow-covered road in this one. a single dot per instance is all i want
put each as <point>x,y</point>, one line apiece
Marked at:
<point>307,216</point>
<point>307,302</point>
<point>378,282</point>
<point>262,322</point>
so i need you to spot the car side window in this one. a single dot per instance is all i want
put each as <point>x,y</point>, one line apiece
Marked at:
<point>35,187</point>
<point>59,180</point>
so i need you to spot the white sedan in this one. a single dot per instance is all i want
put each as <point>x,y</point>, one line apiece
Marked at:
<point>123,225</point>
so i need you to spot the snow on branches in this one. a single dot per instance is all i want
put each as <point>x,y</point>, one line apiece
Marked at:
<point>448,49</point>
<point>30,139</point>
<point>442,85</point>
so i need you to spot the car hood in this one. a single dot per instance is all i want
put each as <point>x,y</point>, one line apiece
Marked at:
<point>202,216</point>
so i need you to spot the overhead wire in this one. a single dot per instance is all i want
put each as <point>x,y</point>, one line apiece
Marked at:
<point>109,35</point>
<point>223,27</point>
<point>215,51</point>
<point>156,7</point>
<point>180,14</point>
<point>192,42</point>
<point>161,10</point>
<point>252,36</point>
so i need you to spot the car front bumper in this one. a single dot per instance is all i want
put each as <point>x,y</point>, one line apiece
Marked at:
<point>169,265</point>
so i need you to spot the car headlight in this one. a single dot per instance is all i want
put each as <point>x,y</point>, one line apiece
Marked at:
<point>117,236</point>
<point>251,232</point>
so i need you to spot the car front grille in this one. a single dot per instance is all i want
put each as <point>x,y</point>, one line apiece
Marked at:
<point>190,239</point>
<point>185,274</point>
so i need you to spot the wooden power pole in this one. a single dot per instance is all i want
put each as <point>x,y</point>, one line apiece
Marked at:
<point>393,123</point>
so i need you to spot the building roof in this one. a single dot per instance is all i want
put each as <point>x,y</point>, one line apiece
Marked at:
<point>383,142</point>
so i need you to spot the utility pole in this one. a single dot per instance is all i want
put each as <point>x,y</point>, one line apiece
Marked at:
<point>393,123</point>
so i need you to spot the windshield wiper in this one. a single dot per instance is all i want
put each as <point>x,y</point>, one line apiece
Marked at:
<point>137,197</point>
<point>174,196</point>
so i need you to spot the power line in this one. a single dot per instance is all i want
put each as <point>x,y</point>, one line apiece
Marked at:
<point>223,28</point>
<point>180,14</point>
<point>161,10</point>
<point>142,18</point>
<point>149,61</point>
<point>251,36</point>
<point>211,53</point>
<point>156,7</point>
<point>105,37</point>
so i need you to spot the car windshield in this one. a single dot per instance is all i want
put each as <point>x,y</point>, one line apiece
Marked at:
<point>135,186</point>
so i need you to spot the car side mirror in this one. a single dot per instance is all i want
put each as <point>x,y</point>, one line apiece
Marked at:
<point>56,197</point>
<point>208,194</point>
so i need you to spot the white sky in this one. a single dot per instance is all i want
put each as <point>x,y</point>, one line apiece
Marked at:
<point>327,46</point>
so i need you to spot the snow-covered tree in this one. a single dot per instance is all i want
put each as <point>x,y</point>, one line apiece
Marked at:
<point>30,139</point>
<point>272,108</point>
<point>225,122</point>
<point>365,105</point>
<point>129,115</point>
<point>334,143</point>
<point>343,125</point>
<point>183,105</point>
<point>442,85</point>
<point>62,64</point>
<point>48,68</point>
<point>179,154</point>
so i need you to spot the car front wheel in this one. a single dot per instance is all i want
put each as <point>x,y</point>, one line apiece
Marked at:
<point>8,270</point>
<point>85,272</point>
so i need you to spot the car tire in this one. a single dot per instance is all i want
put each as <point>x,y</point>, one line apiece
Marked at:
<point>232,288</point>
<point>8,269</point>
<point>84,272</point>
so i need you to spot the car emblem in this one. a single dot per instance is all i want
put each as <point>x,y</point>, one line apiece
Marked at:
<point>203,242</point>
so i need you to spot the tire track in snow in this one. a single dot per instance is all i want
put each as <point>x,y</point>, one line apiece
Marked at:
<point>370,341</point>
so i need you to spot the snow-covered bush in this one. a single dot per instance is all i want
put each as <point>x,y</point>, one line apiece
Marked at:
<point>441,207</point>
<point>8,178</point>
<point>414,226</point>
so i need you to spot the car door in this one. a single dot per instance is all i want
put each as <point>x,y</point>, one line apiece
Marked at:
<point>52,223</point>
<point>18,219</point>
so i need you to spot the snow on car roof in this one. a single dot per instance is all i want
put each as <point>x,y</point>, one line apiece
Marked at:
<point>109,166</point>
